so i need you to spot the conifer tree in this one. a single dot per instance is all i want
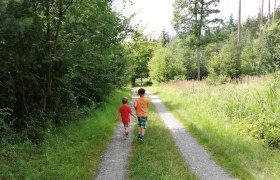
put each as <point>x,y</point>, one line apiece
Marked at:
<point>191,18</point>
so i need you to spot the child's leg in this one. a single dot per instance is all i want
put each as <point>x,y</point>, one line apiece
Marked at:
<point>143,131</point>
<point>139,127</point>
<point>143,127</point>
<point>126,128</point>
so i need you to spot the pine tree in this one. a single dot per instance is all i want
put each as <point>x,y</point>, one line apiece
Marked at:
<point>192,18</point>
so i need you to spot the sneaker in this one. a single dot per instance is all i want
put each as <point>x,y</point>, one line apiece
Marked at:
<point>126,134</point>
<point>141,138</point>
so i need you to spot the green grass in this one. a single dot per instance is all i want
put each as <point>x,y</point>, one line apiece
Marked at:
<point>72,152</point>
<point>201,109</point>
<point>157,157</point>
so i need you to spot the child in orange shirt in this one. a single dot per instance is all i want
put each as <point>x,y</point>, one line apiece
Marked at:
<point>141,105</point>
<point>124,112</point>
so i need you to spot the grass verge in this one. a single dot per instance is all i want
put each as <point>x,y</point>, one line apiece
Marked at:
<point>72,152</point>
<point>197,108</point>
<point>157,157</point>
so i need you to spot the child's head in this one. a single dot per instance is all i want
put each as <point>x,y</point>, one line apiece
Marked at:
<point>141,92</point>
<point>124,100</point>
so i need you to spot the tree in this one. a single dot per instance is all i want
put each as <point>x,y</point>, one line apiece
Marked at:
<point>261,20</point>
<point>252,25</point>
<point>231,25</point>
<point>173,62</point>
<point>224,62</point>
<point>193,18</point>
<point>268,14</point>
<point>53,56</point>
<point>239,24</point>
<point>141,51</point>
<point>274,11</point>
<point>165,37</point>
<point>239,35</point>
<point>54,13</point>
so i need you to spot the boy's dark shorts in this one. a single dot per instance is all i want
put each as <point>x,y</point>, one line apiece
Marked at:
<point>142,121</point>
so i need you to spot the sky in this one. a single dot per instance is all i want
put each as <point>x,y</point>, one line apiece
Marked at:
<point>156,15</point>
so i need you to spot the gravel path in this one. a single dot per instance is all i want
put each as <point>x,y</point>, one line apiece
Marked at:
<point>115,161</point>
<point>195,156</point>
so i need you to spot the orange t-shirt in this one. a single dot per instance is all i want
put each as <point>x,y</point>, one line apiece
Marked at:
<point>141,106</point>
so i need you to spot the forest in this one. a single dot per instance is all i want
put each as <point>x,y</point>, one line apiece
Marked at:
<point>58,58</point>
<point>62,59</point>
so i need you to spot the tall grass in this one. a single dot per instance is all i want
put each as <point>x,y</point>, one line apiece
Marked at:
<point>157,157</point>
<point>72,152</point>
<point>238,124</point>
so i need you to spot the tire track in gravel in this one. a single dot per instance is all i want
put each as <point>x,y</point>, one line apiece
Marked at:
<point>194,155</point>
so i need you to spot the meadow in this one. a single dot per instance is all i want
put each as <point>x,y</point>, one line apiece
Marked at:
<point>237,123</point>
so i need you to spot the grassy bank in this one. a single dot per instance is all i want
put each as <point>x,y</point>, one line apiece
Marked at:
<point>72,152</point>
<point>223,119</point>
<point>157,157</point>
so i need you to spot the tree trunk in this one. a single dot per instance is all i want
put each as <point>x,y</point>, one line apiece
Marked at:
<point>261,20</point>
<point>49,47</point>
<point>198,57</point>
<point>238,63</point>
<point>274,10</point>
<point>268,15</point>
<point>239,23</point>
<point>199,37</point>
<point>52,45</point>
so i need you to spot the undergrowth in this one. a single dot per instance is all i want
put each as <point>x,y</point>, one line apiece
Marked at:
<point>70,152</point>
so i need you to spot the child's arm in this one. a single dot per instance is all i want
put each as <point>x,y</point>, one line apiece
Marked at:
<point>135,104</point>
<point>117,117</point>
<point>133,115</point>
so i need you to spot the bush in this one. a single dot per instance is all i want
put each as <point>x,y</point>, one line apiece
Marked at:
<point>226,62</point>
<point>256,113</point>
<point>216,79</point>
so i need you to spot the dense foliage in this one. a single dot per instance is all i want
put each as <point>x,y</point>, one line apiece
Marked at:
<point>140,52</point>
<point>57,57</point>
<point>173,62</point>
<point>221,57</point>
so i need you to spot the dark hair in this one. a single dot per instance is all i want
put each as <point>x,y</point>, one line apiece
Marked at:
<point>141,91</point>
<point>124,100</point>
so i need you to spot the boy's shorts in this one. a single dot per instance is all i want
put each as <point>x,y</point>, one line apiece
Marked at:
<point>142,121</point>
